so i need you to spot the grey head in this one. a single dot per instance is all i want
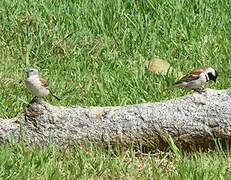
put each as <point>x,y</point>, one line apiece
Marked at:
<point>32,72</point>
<point>211,73</point>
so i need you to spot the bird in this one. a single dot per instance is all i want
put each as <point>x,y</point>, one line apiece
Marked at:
<point>36,85</point>
<point>196,79</point>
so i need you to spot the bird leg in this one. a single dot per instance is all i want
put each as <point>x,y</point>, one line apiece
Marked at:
<point>36,100</point>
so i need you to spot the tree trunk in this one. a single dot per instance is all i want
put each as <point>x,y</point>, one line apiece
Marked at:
<point>192,121</point>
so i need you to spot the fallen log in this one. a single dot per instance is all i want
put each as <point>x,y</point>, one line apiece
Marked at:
<point>193,120</point>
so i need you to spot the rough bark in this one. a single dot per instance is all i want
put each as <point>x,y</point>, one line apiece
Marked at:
<point>192,121</point>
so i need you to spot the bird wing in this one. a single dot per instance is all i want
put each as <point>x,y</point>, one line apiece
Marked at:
<point>197,71</point>
<point>43,82</point>
<point>193,75</point>
<point>188,78</point>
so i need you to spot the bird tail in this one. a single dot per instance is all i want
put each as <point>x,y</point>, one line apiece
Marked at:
<point>172,86</point>
<point>55,95</point>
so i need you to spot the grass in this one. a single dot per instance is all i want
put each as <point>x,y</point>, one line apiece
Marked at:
<point>21,161</point>
<point>93,53</point>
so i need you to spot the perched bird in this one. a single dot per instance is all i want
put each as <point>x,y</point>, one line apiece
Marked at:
<point>196,79</point>
<point>36,85</point>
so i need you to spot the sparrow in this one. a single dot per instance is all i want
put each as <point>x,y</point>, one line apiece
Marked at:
<point>36,85</point>
<point>196,79</point>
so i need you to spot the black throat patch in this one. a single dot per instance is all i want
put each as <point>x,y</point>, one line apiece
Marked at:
<point>211,77</point>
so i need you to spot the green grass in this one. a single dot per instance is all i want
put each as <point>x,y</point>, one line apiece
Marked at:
<point>20,161</point>
<point>93,53</point>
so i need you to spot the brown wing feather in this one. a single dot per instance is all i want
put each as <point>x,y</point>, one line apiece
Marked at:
<point>188,78</point>
<point>46,85</point>
<point>197,71</point>
<point>43,82</point>
<point>193,75</point>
